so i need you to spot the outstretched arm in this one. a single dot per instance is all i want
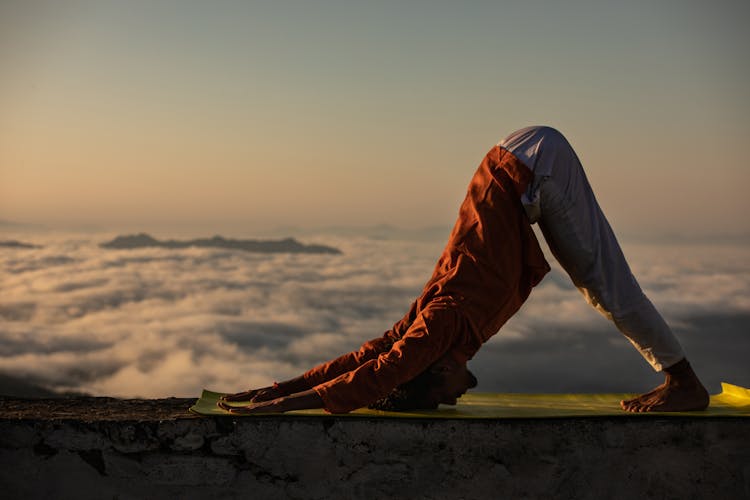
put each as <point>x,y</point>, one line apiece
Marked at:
<point>318,375</point>
<point>429,337</point>
<point>330,370</point>
<point>423,344</point>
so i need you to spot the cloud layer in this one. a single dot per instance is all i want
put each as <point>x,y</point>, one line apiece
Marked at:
<point>162,322</point>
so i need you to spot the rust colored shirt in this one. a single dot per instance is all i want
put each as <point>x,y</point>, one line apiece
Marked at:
<point>486,272</point>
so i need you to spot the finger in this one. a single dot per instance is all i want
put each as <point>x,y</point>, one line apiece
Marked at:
<point>240,396</point>
<point>235,397</point>
<point>241,410</point>
<point>226,407</point>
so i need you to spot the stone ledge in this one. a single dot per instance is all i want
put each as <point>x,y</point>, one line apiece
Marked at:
<point>107,448</point>
<point>96,409</point>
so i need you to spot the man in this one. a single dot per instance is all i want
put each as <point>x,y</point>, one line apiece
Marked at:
<point>486,272</point>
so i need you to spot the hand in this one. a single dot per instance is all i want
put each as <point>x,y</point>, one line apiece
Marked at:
<point>298,401</point>
<point>254,395</point>
<point>272,406</point>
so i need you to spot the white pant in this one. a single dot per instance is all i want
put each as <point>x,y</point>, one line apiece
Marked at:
<point>583,242</point>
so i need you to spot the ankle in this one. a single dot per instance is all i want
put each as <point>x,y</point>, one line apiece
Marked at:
<point>681,374</point>
<point>680,370</point>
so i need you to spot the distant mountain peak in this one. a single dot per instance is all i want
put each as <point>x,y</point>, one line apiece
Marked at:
<point>17,244</point>
<point>286,245</point>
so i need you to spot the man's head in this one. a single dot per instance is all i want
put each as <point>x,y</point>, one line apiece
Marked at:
<point>452,379</point>
<point>442,383</point>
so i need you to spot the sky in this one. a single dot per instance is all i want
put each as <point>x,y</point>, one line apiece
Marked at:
<point>244,116</point>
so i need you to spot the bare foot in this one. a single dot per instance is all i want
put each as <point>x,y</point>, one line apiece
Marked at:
<point>652,392</point>
<point>681,391</point>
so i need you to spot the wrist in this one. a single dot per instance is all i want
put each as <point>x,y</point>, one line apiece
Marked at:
<point>299,401</point>
<point>292,386</point>
<point>282,404</point>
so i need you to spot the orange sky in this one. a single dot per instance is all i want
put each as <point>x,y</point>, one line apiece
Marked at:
<point>251,116</point>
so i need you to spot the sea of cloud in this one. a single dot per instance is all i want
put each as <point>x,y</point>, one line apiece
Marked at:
<point>157,322</point>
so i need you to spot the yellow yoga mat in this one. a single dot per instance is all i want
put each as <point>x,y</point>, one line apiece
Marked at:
<point>732,401</point>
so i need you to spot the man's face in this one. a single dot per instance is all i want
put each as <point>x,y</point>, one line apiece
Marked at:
<point>456,380</point>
